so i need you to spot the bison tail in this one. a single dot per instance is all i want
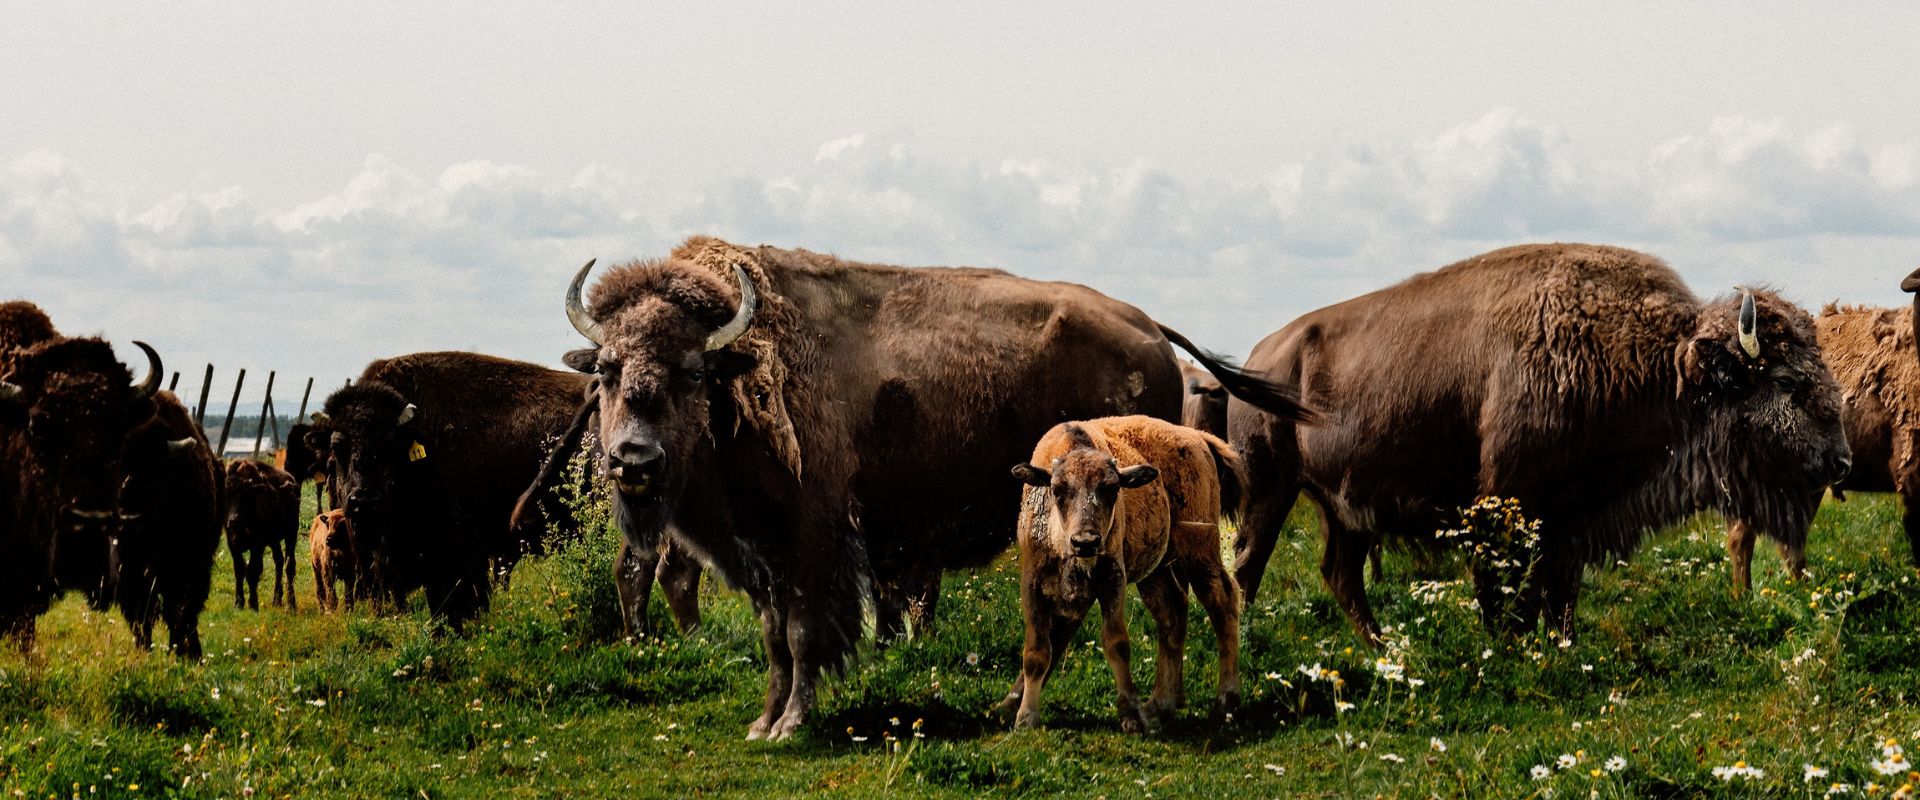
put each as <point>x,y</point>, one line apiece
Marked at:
<point>1232,472</point>
<point>526,510</point>
<point>1253,388</point>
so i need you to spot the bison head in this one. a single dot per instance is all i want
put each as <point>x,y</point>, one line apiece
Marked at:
<point>1203,405</point>
<point>1772,409</point>
<point>373,439</point>
<point>660,332</point>
<point>1085,485</point>
<point>73,405</point>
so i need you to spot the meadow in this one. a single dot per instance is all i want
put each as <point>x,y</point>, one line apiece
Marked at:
<point>1675,688</point>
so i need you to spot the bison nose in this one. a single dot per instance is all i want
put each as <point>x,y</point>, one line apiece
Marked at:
<point>1086,545</point>
<point>1842,468</point>
<point>634,467</point>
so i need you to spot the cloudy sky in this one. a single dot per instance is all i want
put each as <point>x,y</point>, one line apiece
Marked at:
<point>305,189</point>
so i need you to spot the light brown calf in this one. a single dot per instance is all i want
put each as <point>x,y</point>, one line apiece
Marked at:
<point>330,544</point>
<point>1126,500</point>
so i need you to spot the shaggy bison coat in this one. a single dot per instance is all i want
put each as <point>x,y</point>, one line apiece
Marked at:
<point>162,559</point>
<point>1118,501</point>
<point>777,409</point>
<point>1587,382</point>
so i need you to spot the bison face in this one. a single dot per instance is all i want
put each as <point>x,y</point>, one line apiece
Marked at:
<point>1085,485</point>
<point>373,440</point>
<point>77,406</point>
<point>1773,408</point>
<point>661,331</point>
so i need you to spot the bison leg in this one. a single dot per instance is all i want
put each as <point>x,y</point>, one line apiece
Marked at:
<point>1221,599</point>
<point>279,572</point>
<point>773,636</point>
<point>291,569</point>
<point>1911,522</point>
<point>1740,538</point>
<point>633,582</point>
<point>1560,590</point>
<point>1049,635</point>
<point>679,578</point>
<point>19,631</point>
<point>256,560</point>
<point>239,556</point>
<point>1373,558</point>
<point>1260,533</point>
<point>1343,566</point>
<point>889,612</point>
<point>349,579</point>
<point>1795,557</point>
<point>183,628</point>
<point>1166,602</point>
<point>1117,646</point>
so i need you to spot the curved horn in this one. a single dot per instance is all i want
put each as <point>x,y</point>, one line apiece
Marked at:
<point>180,446</point>
<point>319,417</point>
<point>146,388</point>
<point>11,393</point>
<point>406,414</point>
<point>749,303</point>
<point>577,313</point>
<point>1749,325</point>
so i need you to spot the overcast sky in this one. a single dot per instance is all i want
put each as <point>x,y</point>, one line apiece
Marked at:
<point>305,189</point>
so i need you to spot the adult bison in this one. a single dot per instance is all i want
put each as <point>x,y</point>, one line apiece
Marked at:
<point>263,516</point>
<point>66,408</point>
<point>1204,405</point>
<point>1870,352</point>
<point>430,451</point>
<point>778,408</point>
<point>161,560</point>
<point>1585,381</point>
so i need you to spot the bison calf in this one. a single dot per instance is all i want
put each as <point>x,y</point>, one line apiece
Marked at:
<point>263,513</point>
<point>1126,500</point>
<point>330,546</point>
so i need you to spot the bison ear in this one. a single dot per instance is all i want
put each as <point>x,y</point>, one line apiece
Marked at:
<point>1709,365</point>
<point>1032,475</point>
<point>1912,283</point>
<point>586,360</point>
<point>725,365</point>
<point>1138,476</point>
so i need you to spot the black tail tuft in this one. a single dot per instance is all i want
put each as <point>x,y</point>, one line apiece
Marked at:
<point>1250,387</point>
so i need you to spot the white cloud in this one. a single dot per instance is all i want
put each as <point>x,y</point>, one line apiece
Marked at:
<point>400,258</point>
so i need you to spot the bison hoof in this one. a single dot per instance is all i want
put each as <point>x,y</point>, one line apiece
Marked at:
<point>1026,720</point>
<point>1133,724</point>
<point>758,730</point>
<point>1007,704</point>
<point>783,730</point>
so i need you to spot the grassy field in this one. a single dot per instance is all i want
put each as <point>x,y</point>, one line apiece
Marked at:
<point>1671,679</point>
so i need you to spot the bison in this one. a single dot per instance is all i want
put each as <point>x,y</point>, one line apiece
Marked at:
<point>171,503</point>
<point>1204,406</point>
<point>331,549</point>
<point>1126,500</point>
<point>1585,381</point>
<point>263,515</point>
<point>1870,352</point>
<point>778,409</point>
<point>429,452</point>
<point>66,409</point>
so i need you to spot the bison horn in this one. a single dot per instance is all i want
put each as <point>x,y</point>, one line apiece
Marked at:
<point>749,303</point>
<point>11,392</point>
<point>577,313</point>
<point>146,388</point>
<point>406,414</point>
<point>1749,325</point>
<point>180,447</point>
<point>319,417</point>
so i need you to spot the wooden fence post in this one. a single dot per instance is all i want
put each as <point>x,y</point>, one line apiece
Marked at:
<point>302,416</point>
<point>266,407</point>
<point>173,384</point>
<point>227,427</point>
<point>200,410</point>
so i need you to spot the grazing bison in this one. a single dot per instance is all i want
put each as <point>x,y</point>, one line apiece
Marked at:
<point>162,558</point>
<point>429,452</point>
<point>331,549</point>
<point>777,409</point>
<point>1870,352</point>
<point>1587,382</point>
<point>263,514</point>
<point>1204,406</point>
<point>1126,500</point>
<point>66,408</point>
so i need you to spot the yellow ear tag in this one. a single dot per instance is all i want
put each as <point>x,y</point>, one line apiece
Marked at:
<point>417,452</point>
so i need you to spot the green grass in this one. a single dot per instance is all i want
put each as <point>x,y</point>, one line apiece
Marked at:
<point>1672,674</point>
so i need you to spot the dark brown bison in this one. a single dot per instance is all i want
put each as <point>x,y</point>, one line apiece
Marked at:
<point>1126,500</point>
<point>1871,354</point>
<point>429,452</point>
<point>170,501</point>
<point>263,516</point>
<point>306,459</point>
<point>1912,285</point>
<point>66,409</point>
<point>1587,382</point>
<point>1203,407</point>
<point>778,409</point>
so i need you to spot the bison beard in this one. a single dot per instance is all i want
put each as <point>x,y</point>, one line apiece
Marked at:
<point>787,445</point>
<point>1585,381</point>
